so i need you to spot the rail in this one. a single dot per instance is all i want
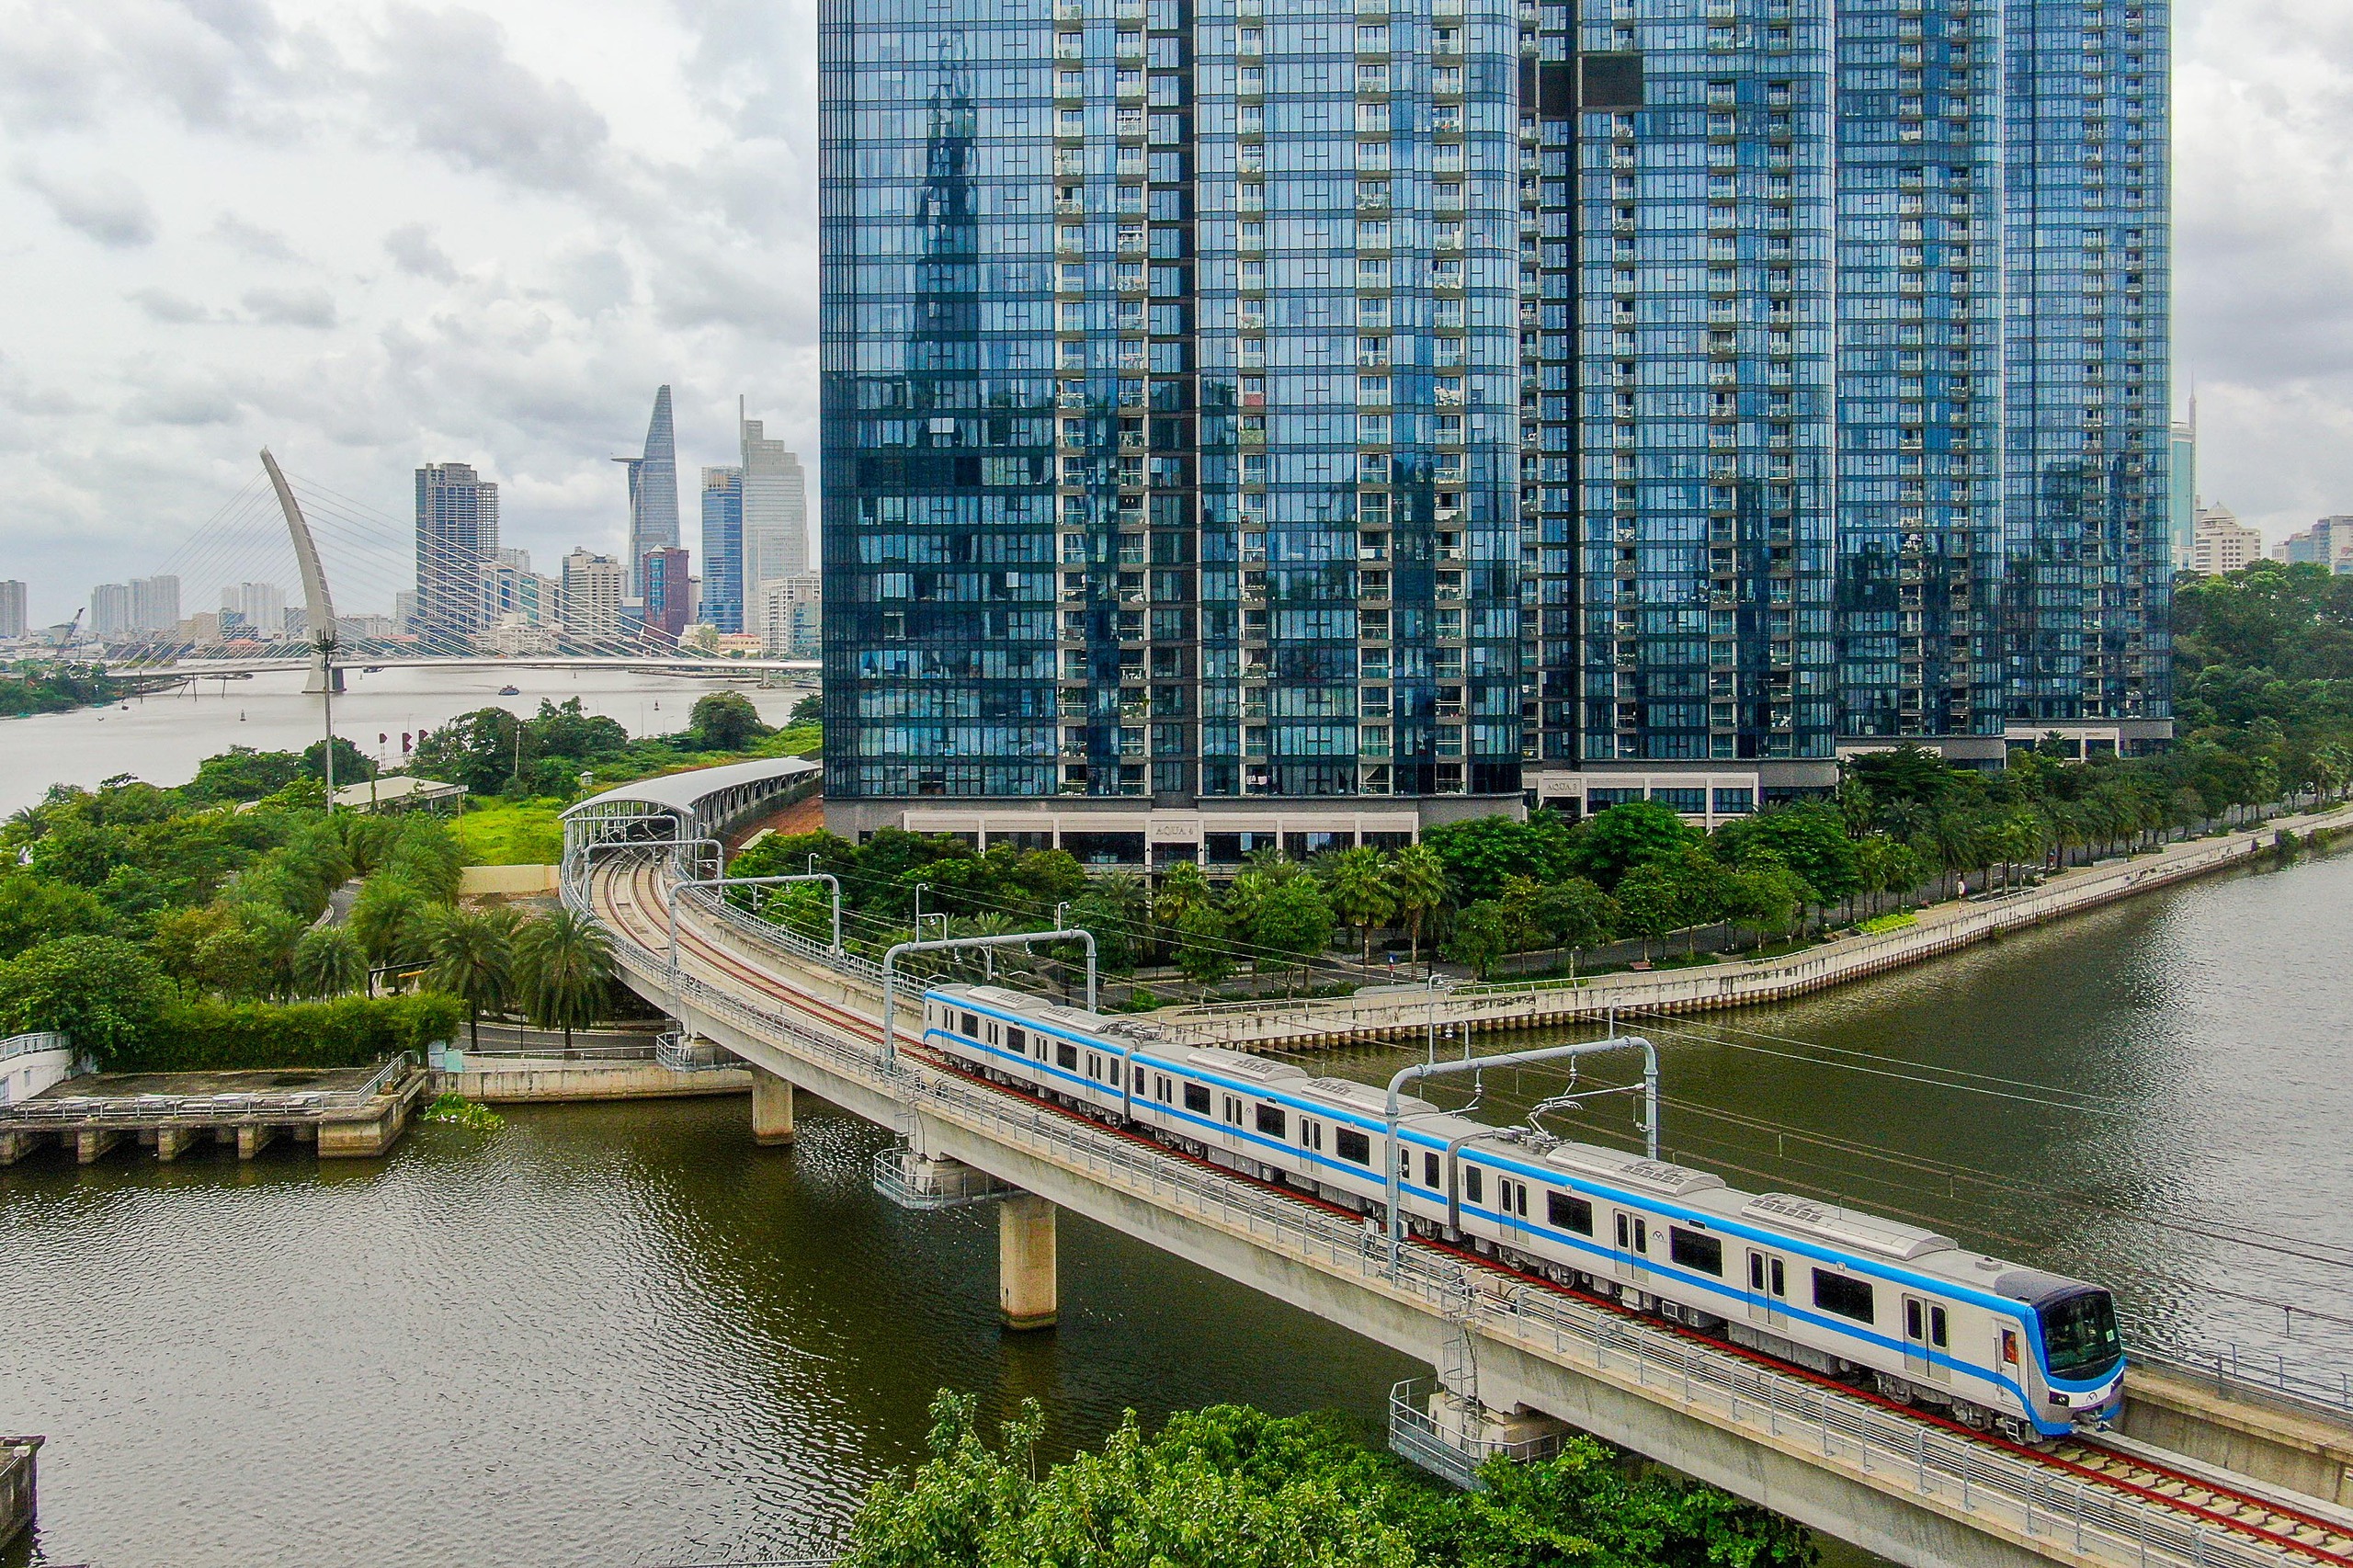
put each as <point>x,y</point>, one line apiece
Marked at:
<point>2003,1488</point>
<point>33,1044</point>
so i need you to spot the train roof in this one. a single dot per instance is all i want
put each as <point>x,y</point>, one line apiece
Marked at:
<point>1078,1019</point>
<point>1840,1224</point>
<point>1242,1065</point>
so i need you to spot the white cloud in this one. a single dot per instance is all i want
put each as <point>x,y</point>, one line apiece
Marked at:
<point>291,307</point>
<point>415,250</point>
<point>103,205</point>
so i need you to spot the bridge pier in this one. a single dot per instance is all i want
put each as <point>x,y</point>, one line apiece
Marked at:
<point>1027,1291</point>
<point>771,1109</point>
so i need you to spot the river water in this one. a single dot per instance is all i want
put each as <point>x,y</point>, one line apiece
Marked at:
<point>624,1336</point>
<point>161,739</point>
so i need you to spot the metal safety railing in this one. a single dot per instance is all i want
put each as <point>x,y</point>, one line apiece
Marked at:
<point>135,1110</point>
<point>33,1044</point>
<point>1993,1486</point>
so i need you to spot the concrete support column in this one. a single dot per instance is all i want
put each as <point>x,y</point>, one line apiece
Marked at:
<point>1028,1295</point>
<point>170,1141</point>
<point>15,1146</point>
<point>771,1108</point>
<point>90,1144</point>
<point>252,1138</point>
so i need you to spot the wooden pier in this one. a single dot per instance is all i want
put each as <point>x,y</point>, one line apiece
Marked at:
<point>19,1497</point>
<point>351,1113</point>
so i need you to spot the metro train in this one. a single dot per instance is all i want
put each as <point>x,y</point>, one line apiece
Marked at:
<point>1993,1345</point>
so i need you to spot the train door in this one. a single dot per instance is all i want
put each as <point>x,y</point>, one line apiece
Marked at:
<point>1926,1332</point>
<point>1634,1247</point>
<point>1768,1291</point>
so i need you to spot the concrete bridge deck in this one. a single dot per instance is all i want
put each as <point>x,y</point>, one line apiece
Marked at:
<point>1913,1489</point>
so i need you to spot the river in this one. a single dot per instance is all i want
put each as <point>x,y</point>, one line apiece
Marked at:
<point>161,739</point>
<point>625,1336</point>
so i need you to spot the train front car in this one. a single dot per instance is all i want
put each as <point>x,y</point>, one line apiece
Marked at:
<point>2073,1370</point>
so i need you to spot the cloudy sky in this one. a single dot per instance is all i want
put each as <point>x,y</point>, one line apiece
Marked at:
<point>372,234</point>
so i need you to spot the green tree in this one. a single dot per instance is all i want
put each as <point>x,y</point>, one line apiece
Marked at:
<point>1483,932</point>
<point>241,773</point>
<point>1810,839</point>
<point>1183,888</point>
<point>1632,834</point>
<point>1204,944</point>
<point>1480,853</point>
<point>1573,913</point>
<point>563,971</point>
<point>34,909</point>
<point>101,990</point>
<point>1649,901</point>
<point>1292,923</point>
<point>1357,882</point>
<point>725,720</point>
<point>328,963</point>
<point>1418,877</point>
<point>483,750</point>
<point>389,919</point>
<point>1764,896</point>
<point>351,764</point>
<point>471,956</point>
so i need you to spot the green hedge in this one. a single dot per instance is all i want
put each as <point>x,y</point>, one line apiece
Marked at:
<point>351,1031</point>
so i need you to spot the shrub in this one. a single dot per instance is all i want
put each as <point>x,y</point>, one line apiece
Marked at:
<point>350,1031</point>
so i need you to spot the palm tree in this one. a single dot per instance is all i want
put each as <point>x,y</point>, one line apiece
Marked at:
<point>562,969</point>
<point>1417,883</point>
<point>472,959</point>
<point>389,919</point>
<point>1357,881</point>
<point>328,963</point>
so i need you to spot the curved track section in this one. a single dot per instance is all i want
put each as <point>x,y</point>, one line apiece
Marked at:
<point>626,896</point>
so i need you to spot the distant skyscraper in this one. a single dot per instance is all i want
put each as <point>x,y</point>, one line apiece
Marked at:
<point>2183,500</point>
<point>722,549</point>
<point>669,590</point>
<point>155,603</point>
<point>776,507</point>
<point>456,533</point>
<point>2328,542</point>
<point>787,612</point>
<point>260,607</point>
<point>654,489</point>
<point>111,610</point>
<point>12,609</point>
<point>594,587</point>
<point>2224,543</point>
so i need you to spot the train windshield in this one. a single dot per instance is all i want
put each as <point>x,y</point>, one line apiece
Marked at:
<point>2080,1337</point>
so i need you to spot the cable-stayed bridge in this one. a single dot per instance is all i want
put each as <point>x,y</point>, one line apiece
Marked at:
<point>348,564</point>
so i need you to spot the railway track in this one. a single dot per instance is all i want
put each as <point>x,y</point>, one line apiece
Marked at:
<point>2275,1521</point>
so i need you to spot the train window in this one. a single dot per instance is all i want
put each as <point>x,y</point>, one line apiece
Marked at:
<point>1700,1254</point>
<point>1621,1232</point>
<point>1515,1197</point>
<point>1473,1184</point>
<point>1094,1065</point>
<point>1781,1280</point>
<point>1160,1087</point>
<point>1641,1234</point>
<point>1066,1056</point>
<point>1757,1271</point>
<point>1196,1098</point>
<point>1914,1327</point>
<point>1311,1134</point>
<point>1271,1121</point>
<point>1350,1144</point>
<point>1843,1294</point>
<point>1939,1329</point>
<point>1016,1041</point>
<point>1569,1213</point>
<point>2011,1346</point>
<point>1429,1172</point>
<point>971,1025</point>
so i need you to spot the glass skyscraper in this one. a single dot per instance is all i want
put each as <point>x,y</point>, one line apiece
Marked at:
<point>1279,421</point>
<point>723,547</point>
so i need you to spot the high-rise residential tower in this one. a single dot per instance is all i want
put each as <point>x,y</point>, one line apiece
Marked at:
<point>1433,406</point>
<point>155,603</point>
<point>457,535</point>
<point>110,613</point>
<point>654,489</point>
<point>12,610</point>
<point>2182,476</point>
<point>776,507</point>
<point>723,547</point>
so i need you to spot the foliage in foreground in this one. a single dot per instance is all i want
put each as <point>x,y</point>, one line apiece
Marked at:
<point>1233,1487</point>
<point>350,1031</point>
<point>459,1112</point>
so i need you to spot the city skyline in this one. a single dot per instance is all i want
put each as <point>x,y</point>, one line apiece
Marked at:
<point>502,302</point>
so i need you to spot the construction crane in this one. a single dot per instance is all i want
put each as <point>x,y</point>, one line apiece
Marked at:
<point>72,627</point>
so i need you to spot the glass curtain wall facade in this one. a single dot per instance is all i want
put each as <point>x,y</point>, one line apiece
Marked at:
<point>1700,375</point>
<point>1920,308</point>
<point>723,547</point>
<point>2089,253</point>
<point>1169,412</point>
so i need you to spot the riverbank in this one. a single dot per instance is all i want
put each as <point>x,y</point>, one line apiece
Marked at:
<point>1410,1012</point>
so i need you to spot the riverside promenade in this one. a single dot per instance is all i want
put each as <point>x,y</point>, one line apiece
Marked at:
<point>1409,1012</point>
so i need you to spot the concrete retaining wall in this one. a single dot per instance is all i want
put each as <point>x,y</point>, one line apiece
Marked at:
<point>523,1081</point>
<point>478,882</point>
